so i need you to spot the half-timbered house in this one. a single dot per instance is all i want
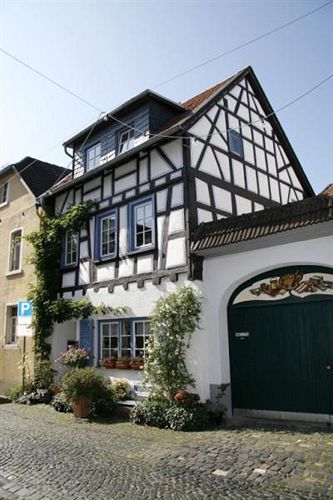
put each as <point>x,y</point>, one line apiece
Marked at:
<point>156,170</point>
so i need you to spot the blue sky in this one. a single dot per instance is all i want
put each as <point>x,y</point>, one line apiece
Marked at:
<point>108,51</point>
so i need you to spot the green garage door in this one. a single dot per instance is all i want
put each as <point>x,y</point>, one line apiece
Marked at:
<point>281,355</point>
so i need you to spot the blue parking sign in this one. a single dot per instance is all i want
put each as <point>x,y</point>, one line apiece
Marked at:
<point>25,308</point>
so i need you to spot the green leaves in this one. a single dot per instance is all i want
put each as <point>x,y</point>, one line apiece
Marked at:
<point>173,322</point>
<point>48,309</point>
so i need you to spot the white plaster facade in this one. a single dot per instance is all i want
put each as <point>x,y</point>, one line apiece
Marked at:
<point>224,269</point>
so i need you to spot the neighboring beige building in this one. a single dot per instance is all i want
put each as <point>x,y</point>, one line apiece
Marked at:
<point>20,185</point>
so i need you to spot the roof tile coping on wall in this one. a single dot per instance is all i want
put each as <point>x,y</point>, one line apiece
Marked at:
<point>266,222</point>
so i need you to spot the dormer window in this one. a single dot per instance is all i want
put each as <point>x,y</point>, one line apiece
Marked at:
<point>93,156</point>
<point>125,140</point>
<point>3,194</point>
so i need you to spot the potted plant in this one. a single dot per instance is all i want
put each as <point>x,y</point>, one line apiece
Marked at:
<point>81,387</point>
<point>109,362</point>
<point>44,374</point>
<point>123,363</point>
<point>74,357</point>
<point>136,363</point>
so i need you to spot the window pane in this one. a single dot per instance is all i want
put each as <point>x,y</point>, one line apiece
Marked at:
<point>140,213</point>
<point>139,328</point>
<point>139,342</point>
<point>139,240</point>
<point>148,223</point>
<point>114,342</point>
<point>143,224</point>
<point>114,328</point>
<point>148,237</point>
<point>108,235</point>
<point>71,247</point>
<point>148,210</point>
<point>15,251</point>
<point>126,342</point>
<point>105,328</point>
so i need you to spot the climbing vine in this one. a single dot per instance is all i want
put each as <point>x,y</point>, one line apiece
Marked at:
<point>47,243</point>
<point>173,321</point>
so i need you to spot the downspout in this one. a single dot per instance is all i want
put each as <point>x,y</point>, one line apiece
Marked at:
<point>71,157</point>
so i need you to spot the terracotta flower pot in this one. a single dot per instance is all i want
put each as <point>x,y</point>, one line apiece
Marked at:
<point>81,408</point>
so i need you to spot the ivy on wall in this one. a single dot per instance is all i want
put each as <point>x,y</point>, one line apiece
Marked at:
<point>48,309</point>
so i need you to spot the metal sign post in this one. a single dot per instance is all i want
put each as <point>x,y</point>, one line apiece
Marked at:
<point>24,319</point>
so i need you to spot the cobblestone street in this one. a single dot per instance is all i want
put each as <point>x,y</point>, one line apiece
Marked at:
<point>44,454</point>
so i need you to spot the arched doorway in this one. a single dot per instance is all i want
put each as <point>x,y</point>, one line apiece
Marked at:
<point>281,343</point>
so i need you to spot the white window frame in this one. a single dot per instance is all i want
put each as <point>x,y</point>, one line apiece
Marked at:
<point>125,140</point>
<point>72,262</point>
<point>135,207</point>
<point>145,336</point>
<point>19,270</point>
<point>117,351</point>
<point>110,349</point>
<point>10,344</point>
<point>111,216</point>
<point>4,188</point>
<point>96,159</point>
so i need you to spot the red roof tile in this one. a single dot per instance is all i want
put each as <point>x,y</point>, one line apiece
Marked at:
<point>198,99</point>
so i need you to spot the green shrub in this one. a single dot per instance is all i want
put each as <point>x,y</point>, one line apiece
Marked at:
<point>150,412</point>
<point>190,416</point>
<point>121,390</point>
<point>165,414</point>
<point>60,403</point>
<point>217,416</point>
<point>83,383</point>
<point>14,392</point>
<point>103,405</point>
<point>43,374</point>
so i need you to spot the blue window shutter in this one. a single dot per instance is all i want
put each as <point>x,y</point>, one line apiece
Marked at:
<point>87,338</point>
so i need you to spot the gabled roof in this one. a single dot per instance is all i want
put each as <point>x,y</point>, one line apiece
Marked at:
<point>38,175</point>
<point>255,225</point>
<point>188,113</point>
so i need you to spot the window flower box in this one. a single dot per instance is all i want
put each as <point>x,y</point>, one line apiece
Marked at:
<point>109,363</point>
<point>136,364</point>
<point>123,364</point>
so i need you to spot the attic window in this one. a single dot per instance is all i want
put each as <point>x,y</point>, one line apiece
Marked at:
<point>125,140</point>
<point>236,143</point>
<point>93,156</point>
<point>3,194</point>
